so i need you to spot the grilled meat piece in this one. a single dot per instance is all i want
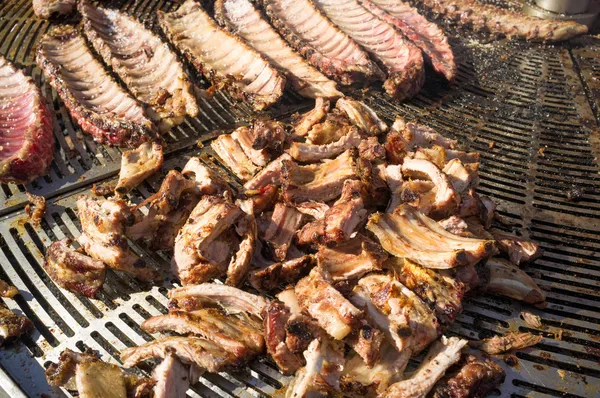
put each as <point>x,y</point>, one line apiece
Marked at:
<point>335,126</point>
<point>509,280</point>
<point>45,8</point>
<point>456,225</point>
<point>280,274</point>
<point>172,378</point>
<point>139,164</point>
<point>336,315</point>
<point>409,233</point>
<point>340,221</point>
<point>72,270</point>
<point>305,152</point>
<point>498,20</point>
<point>102,236</point>
<point>95,101</point>
<point>351,259</point>
<point>321,375</point>
<point>400,58</point>
<point>7,291</point>
<point>419,194</point>
<point>305,122</point>
<point>190,298</point>
<point>321,182</point>
<point>311,208</point>
<point>510,341</point>
<point>12,325</point>
<point>272,174</point>
<point>245,138</point>
<point>100,379</point>
<point>424,34</point>
<point>26,131</point>
<point>233,156</point>
<point>283,224</point>
<point>36,208</point>
<point>418,135</point>
<point>240,262</point>
<point>242,18</point>
<point>235,335</point>
<point>221,57</point>
<point>269,134</point>
<point>144,63</point>
<point>370,149</point>
<point>446,198</point>
<point>366,341</point>
<point>321,42</point>
<point>392,175</point>
<point>442,354</point>
<point>190,350</point>
<point>276,318</point>
<point>460,175</point>
<point>518,249</point>
<point>362,116</point>
<point>471,377</point>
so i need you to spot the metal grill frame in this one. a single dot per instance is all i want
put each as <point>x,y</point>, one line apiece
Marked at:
<point>538,105</point>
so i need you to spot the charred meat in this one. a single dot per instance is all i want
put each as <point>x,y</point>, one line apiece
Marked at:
<point>508,342</point>
<point>276,317</point>
<point>280,274</point>
<point>518,249</point>
<point>471,377</point>
<point>12,325</point>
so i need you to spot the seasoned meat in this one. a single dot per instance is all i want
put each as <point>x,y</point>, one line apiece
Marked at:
<point>190,350</point>
<point>509,280</point>
<point>223,58</point>
<point>335,126</point>
<point>102,236</point>
<point>306,121</point>
<point>418,135</point>
<point>362,116</point>
<point>321,42</point>
<point>276,318</point>
<point>26,131</point>
<point>280,274</point>
<point>100,379</point>
<point>366,341</point>
<point>351,259</point>
<point>410,234</point>
<point>270,134</point>
<point>305,152</point>
<point>459,174</point>
<point>240,262</point>
<point>95,101</point>
<point>426,35</point>
<point>233,156</point>
<point>341,220</point>
<point>242,18</point>
<point>172,378</point>
<point>272,174</point>
<point>518,249</point>
<point>245,138</point>
<point>496,20</point>
<point>321,182</point>
<point>311,208</point>
<point>442,354</point>
<point>7,291</point>
<point>231,298</point>
<point>392,175</point>
<point>45,8</point>
<point>139,164</point>
<point>235,335</point>
<point>400,58</point>
<point>72,270</point>
<point>282,226</point>
<point>510,341</point>
<point>36,208</point>
<point>471,377</point>
<point>144,63</point>
<point>336,315</point>
<point>12,325</point>
<point>370,149</point>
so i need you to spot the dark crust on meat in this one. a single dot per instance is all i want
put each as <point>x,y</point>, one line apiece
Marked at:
<point>105,130</point>
<point>470,378</point>
<point>13,324</point>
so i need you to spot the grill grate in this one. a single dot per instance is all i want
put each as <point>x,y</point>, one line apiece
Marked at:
<point>538,105</point>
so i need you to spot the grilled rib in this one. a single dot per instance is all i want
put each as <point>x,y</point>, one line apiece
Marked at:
<point>240,262</point>
<point>45,8</point>
<point>304,123</point>
<point>233,156</point>
<point>26,131</point>
<point>362,116</point>
<point>276,318</point>
<point>144,63</point>
<point>95,101</point>
<point>401,59</point>
<point>351,259</point>
<point>270,175</point>
<point>280,274</point>
<point>305,152</point>
<point>223,58</point>
<point>470,377</point>
<point>139,164</point>
<point>509,280</point>
<point>172,378</point>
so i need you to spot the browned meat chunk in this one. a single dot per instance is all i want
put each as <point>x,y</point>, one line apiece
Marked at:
<point>139,164</point>
<point>351,259</point>
<point>280,274</point>
<point>72,270</point>
<point>45,8</point>
<point>12,325</point>
<point>335,126</point>
<point>7,291</point>
<point>283,224</point>
<point>508,342</point>
<point>362,116</point>
<point>240,262</point>
<point>518,249</point>
<point>471,377</point>
<point>418,135</point>
<point>366,341</point>
<point>305,122</point>
<point>245,138</point>
<point>509,280</point>
<point>272,174</point>
<point>36,208</point>
<point>172,378</point>
<point>304,152</point>
<point>233,156</point>
<point>311,208</point>
<point>370,149</point>
<point>276,318</point>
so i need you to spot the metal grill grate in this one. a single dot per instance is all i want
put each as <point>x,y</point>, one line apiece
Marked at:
<point>538,106</point>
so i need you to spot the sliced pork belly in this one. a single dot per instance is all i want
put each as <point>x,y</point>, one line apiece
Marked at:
<point>409,233</point>
<point>426,35</point>
<point>282,226</point>
<point>72,270</point>
<point>190,298</point>
<point>362,116</point>
<point>270,175</point>
<point>321,182</point>
<point>280,274</point>
<point>336,315</point>
<point>95,101</point>
<point>351,259</point>
<point>102,236</point>
<point>305,152</point>
<point>518,249</point>
<point>276,318</point>
<point>233,156</point>
<point>26,132</point>
<point>401,59</point>
<point>45,8</point>
<point>139,164</point>
<point>442,354</point>
<point>223,58</point>
<point>242,18</point>
<point>321,42</point>
<point>190,350</point>
<point>304,122</point>
<point>144,63</point>
<point>508,280</point>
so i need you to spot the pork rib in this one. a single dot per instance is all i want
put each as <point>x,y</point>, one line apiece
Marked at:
<point>400,58</point>
<point>148,67</point>
<point>26,133</point>
<point>223,58</point>
<point>45,8</point>
<point>95,101</point>
<point>426,35</point>
<point>247,22</point>
<point>321,42</point>
<point>494,19</point>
